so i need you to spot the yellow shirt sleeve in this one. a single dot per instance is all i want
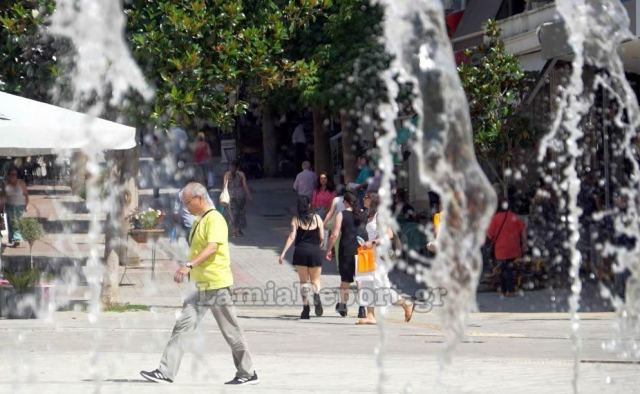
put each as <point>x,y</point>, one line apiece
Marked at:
<point>217,229</point>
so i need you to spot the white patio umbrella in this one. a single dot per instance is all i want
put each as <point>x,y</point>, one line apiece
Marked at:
<point>29,127</point>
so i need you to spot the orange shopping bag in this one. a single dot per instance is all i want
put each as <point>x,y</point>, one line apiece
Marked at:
<point>366,260</point>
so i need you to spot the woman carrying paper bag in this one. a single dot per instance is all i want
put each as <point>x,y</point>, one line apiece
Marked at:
<point>375,286</point>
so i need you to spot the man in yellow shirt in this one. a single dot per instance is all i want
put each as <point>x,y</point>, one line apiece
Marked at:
<point>210,268</point>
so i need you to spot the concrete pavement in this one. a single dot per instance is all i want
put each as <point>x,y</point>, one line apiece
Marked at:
<point>503,352</point>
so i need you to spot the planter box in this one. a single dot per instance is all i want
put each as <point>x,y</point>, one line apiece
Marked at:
<point>5,290</point>
<point>139,237</point>
<point>143,235</point>
<point>27,305</point>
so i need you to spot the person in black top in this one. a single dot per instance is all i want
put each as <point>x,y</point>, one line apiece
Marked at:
<point>307,232</point>
<point>345,227</point>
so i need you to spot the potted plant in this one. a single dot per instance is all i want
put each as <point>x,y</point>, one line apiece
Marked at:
<point>5,290</point>
<point>31,230</point>
<point>19,301</point>
<point>148,219</point>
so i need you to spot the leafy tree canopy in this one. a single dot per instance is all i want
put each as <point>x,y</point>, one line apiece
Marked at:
<point>29,58</point>
<point>199,54</point>
<point>493,81</point>
<point>345,44</point>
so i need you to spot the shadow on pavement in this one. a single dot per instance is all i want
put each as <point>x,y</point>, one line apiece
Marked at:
<point>533,301</point>
<point>121,381</point>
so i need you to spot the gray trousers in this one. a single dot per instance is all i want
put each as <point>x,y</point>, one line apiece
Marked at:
<point>219,301</point>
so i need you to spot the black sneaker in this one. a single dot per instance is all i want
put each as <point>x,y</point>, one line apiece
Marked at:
<point>305,312</point>
<point>244,380</point>
<point>341,309</point>
<point>362,312</point>
<point>155,376</point>
<point>318,305</point>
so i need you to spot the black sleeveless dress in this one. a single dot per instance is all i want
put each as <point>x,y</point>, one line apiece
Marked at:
<point>348,247</point>
<point>307,251</point>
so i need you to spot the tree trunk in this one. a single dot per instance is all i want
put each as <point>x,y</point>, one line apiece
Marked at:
<point>269,142</point>
<point>322,151</point>
<point>123,201</point>
<point>78,172</point>
<point>349,159</point>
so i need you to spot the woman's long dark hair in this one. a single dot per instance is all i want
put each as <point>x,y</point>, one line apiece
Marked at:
<point>351,199</point>
<point>374,203</point>
<point>330,186</point>
<point>304,210</point>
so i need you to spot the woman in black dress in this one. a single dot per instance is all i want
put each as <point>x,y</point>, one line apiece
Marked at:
<point>307,232</point>
<point>346,227</point>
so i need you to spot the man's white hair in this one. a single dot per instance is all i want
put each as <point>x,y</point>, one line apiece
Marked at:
<point>195,189</point>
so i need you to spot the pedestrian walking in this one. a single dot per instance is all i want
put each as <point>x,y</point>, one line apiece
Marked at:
<point>236,183</point>
<point>346,227</point>
<point>178,147</point>
<point>337,206</point>
<point>158,153</point>
<point>17,200</point>
<point>3,200</point>
<point>210,267</point>
<point>307,233</point>
<point>299,141</point>
<point>436,220</point>
<point>365,175</point>
<point>507,232</point>
<point>323,195</point>
<point>306,181</point>
<point>403,210</point>
<point>202,157</point>
<point>375,286</point>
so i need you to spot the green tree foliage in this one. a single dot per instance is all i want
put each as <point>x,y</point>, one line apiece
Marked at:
<point>493,82</point>
<point>28,56</point>
<point>23,281</point>
<point>31,230</point>
<point>199,54</point>
<point>346,46</point>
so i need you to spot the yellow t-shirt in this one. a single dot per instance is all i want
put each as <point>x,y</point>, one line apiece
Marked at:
<point>215,271</point>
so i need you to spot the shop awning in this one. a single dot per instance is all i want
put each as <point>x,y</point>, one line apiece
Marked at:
<point>29,127</point>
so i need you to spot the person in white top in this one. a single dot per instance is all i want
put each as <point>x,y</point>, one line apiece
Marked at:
<point>375,287</point>
<point>337,206</point>
<point>299,141</point>
<point>17,199</point>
